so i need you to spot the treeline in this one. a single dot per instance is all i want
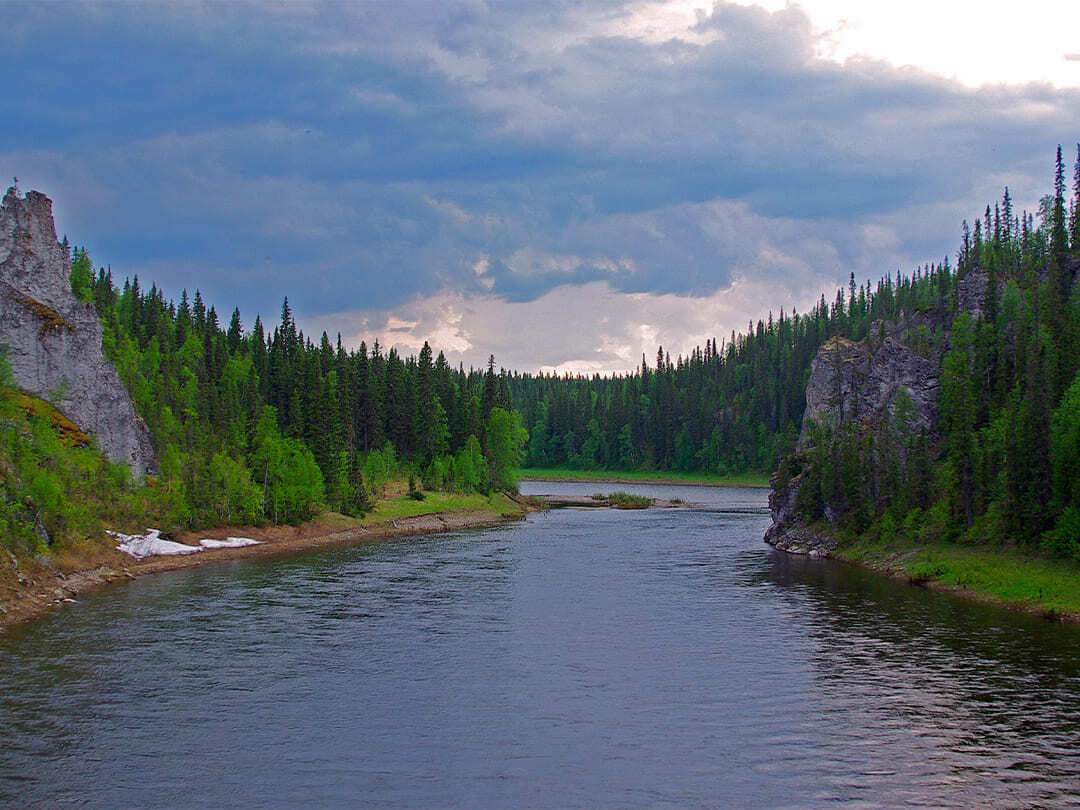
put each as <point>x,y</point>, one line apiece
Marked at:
<point>727,408</point>
<point>1007,466</point>
<point>257,424</point>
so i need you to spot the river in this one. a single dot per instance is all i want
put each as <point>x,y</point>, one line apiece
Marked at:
<point>579,658</point>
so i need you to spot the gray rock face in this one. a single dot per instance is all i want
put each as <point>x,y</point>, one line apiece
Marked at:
<point>860,382</point>
<point>788,532</point>
<point>54,341</point>
<point>971,293</point>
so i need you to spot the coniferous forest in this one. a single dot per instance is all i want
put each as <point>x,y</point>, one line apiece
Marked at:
<point>260,422</point>
<point>1005,469</point>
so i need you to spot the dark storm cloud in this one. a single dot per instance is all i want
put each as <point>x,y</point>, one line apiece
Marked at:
<point>357,155</point>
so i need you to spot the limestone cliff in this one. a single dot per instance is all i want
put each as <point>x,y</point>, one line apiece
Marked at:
<point>53,340</point>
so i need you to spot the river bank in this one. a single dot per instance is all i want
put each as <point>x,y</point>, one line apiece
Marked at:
<point>1002,577</point>
<point>645,477</point>
<point>29,589</point>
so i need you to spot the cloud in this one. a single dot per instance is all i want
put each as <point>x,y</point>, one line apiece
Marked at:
<point>611,330</point>
<point>366,157</point>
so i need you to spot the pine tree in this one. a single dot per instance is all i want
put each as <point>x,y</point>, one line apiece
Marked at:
<point>1074,218</point>
<point>235,335</point>
<point>1007,216</point>
<point>491,389</point>
<point>1059,236</point>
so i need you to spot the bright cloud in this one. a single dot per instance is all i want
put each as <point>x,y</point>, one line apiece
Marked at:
<point>973,42</point>
<point>578,329</point>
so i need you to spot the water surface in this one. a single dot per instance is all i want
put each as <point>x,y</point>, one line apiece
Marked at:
<point>581,658</point>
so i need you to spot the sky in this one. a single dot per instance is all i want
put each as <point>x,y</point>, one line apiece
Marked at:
<point>565,185</point>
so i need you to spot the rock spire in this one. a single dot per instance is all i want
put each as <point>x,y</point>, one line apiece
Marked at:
<point>53,340</point>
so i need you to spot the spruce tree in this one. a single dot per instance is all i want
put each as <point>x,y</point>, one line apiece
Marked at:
<point>1074,218</point>
<point>1059,236</point>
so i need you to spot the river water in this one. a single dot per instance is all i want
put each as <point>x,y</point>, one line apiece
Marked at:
<point>580,658</point>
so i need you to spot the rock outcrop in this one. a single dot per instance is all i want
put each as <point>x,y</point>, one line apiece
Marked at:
<point>858,383</point>
<point>787,532</point>
<point>53,340</point>
<point>971,293</point>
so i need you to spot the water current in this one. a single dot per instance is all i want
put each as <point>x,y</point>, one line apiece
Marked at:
<point>579,658</point>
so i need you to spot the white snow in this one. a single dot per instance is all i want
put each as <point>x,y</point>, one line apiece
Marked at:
<point>228,542</point>
<point>150,544</point>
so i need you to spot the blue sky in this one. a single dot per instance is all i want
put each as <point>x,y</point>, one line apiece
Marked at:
<point>564,185</point>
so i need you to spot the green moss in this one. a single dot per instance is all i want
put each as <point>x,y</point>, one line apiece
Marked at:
<point>68,431</point>
<point>52,321</point>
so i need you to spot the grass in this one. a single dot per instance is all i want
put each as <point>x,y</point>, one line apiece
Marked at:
<point>402,506</point>
<point>999,576</point>
<point>746,479</point>
<point>624,500</point>
<point>70,433</point>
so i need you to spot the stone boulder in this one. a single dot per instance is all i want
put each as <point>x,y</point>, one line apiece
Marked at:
<point>53,341</point>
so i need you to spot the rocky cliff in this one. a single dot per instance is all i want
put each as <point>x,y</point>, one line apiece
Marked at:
<point>53,340</point>
<point>860,384</point>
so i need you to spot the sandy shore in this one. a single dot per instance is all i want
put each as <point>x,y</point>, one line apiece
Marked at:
<point>28,593</point>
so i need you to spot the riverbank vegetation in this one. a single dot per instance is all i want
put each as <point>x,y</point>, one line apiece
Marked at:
<point>729,409</point>
<point>624,500</point>
<point>56,490</point>
<point>403,506</point>
<point>265,424</point>
<point>998,575</point>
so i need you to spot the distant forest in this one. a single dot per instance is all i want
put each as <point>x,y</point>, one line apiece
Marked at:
<point>731,407</point>
<point>288,424</point>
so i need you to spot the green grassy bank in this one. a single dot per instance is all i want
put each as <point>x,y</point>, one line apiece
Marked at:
<point>996,575</point>
<point>750,479</point>
<point>399,507</point>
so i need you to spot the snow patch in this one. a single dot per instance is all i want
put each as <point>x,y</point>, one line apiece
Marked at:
<point>228,542</point>
<point>150,544</point>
